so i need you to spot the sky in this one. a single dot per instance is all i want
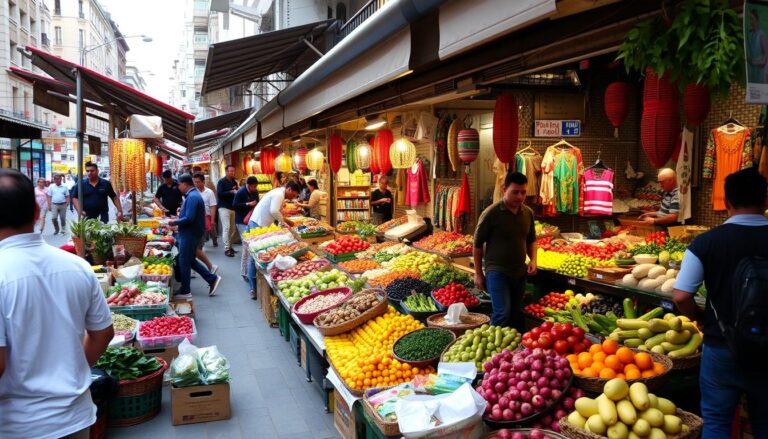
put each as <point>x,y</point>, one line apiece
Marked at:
<point>163,21</point>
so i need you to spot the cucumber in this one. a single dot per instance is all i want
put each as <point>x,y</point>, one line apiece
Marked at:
<point>669,347</point>
<point>629,308</point>
<point>658,325</point>
<point>629,324</point>
<point>633,342</point>
<point>689,347</point>
<point>625,335</point>
<point>654,313</point>
<point>678,337</point>
<point>656,340</point>
<point>645,333</point>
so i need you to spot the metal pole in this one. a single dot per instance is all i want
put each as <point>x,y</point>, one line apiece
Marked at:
<point>80,134</point>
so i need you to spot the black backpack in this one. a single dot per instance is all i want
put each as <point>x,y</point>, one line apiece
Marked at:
<point>747,333</point>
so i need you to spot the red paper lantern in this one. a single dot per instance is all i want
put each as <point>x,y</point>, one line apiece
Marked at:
<point>506,130</point>
<point>375,169</point>
<point>695,103</point>
<point>246,164</point>
<point>660,123</point>
<point>616,102</point>
<point>381,144</point>
<point>301,159</point>
<point>268,155</point>
<point>469,145</point>
<point>159,170</point>
<point>335,146</point>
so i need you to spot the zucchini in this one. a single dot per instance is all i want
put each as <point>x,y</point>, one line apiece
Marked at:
<point>629,308</point>
<point>645,333</point>
<point>625,335</point>
<point>656,340</point>
<point>631,323</point>
<point>677,337</point>
<point>658,325</point>
<point>633,342</point>
<point>656,312</point>
<point>669,347</point>
<point>689,347</point>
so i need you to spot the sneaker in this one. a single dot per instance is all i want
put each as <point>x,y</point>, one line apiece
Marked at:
<point>230,253</point>
<point>214,269</point>
<point>193,276</point>
<point>213,286</point>
<point>254,296</point>
<point>215,243</point>
<point>245,278</point>
<point>182,296</point>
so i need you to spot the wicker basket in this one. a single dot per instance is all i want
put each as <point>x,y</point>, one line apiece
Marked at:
<point>595,385</point>
<point>377,310</point>
<point>138,400</point>
<point>134,246</point>
<point>688,362</point>
<point>353,392</point>
<point>430,361</point>
<point>308,318</point>
<point>526,432</point>
<point>469,321</point>
<point>387,428</point>
<point>79,246</point>
<point>693,422</point>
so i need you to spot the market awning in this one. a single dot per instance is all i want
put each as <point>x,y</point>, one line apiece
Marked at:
<point>118,98</point>
<point>247,59</point>
<point>53,94</point>
<point>13,127</point>
<point>226,120</point>
<point>172,150</point>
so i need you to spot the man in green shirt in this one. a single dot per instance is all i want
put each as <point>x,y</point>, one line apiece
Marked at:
<point>505,234</point>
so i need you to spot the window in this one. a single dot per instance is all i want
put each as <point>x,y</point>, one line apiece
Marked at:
<point>12,11</point>
<point>57,7</point>
<point>201,38</point>
<point>341,12</point>
<point>197,95</point>
<point>14,99</point>
<point>57,35</point>
<point>183,93</point>
<point>201,5</point>
<point>80,8</point>
<point>81,38</point>
<point>199,67</point>
<point>14,53</point>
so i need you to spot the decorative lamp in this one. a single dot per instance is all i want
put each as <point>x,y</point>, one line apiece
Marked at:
<point>660,123</point>
<point>363,153</point>
<point>350,156</point>
<point>695,103</point>
<point>283,163</point>
<point>315,159</point>
<point>375,169</point>
<point>300,159</point>
<point>616,101</point>
<point>381,144</point>
<point>506,130</point>
<point>469,145</point>
<point>335,148</point>
<point>402,153</point>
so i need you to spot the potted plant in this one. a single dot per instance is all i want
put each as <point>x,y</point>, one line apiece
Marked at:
<point>82,233</point>
<point>131,237</point>
<point>102,238</point>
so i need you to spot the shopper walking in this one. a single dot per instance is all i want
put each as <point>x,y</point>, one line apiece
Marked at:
<point>245,200</point>
<point>226,189</point>
<point>191,223</point>
<point>58,199</point>
<point>96,192</point>
<point>41,197</point>
<point>505,234</point>
<point>168,195</point>
<point>713,258</point>
<point>312,206</point>
<point>44,372</point>
<point>209,200</point>
<point>70,185</point>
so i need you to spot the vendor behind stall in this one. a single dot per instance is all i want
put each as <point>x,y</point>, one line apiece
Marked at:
<point>670,200</point>
<point>381,200</point>
<point>313,203</point>
<point>168,195</point>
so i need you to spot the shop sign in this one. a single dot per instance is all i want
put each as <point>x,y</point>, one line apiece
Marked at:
<point>557,128</point>
<point>199,158</point>
<point>61,168</point>
<point>5,143</point>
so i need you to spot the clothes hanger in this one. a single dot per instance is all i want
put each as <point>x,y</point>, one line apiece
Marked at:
<point>732,120</point>
<point>528,147</point>
<point>599,163</point>
<point>562,143</point>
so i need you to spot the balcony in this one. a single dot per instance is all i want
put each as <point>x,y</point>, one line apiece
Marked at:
<point>360,16</point>
<point>200,44</point>
<point>44,40</point>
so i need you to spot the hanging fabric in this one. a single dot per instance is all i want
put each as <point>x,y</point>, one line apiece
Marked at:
<point>418,184</point>
<point>683,170</point>
<point>728,150</point>
<point>402,183</point>
<point>598,191</point>
<point>500,169</point>
<point>442,165</point>
<point>562,180</point>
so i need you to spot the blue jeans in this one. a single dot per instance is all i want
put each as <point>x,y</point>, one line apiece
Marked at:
<point>506,299</point>
<point>722,384</point>
<point>188,261</point>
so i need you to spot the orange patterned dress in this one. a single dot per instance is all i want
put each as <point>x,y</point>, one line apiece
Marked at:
<point>727,152</point>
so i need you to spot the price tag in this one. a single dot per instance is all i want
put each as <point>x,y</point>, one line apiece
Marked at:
<point>572,281</point>
<point>667,305</point>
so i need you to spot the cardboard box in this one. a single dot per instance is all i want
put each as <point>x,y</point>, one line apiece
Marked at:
<point>303,353</point>
<point>105,281</point>
<point>167,354</point>
<point>190,405</point>
<point>175,303</point>
<point>343,417</point>
<point>268,305</point>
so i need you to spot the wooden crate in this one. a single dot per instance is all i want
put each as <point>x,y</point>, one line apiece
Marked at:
<point>267,299</point>
<point>607,274</point>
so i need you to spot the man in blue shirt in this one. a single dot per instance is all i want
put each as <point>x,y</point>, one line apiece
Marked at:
<point>191,223</point>
<point>712,258</point>
<point>96,192</point>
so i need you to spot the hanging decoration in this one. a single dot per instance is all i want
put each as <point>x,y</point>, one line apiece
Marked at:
<point>660,123</point>
<point>268,155</point>
<point>442,163</point>
<point>695,103</point>
<point>300,159</point>
<point>453,144</point>
<point>159,169</point>
<point>126,162</point>
<point>246,164</point>
<point>402,153</point>
<point>283,163</point>
<point>375,168</point>
<point>255,166</point>
<point>363,154</point>
<point>616,101</point>
<point>350,155</point>
<point>469,145</point>
<point>335,147</point>
<point>315,159</point>
<point>381,145</point>
<point>506,129</point>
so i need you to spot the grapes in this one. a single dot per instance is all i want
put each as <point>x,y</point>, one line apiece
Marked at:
<point>576,265</point>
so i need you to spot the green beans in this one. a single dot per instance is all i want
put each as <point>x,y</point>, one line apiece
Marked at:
<point>422,344</point>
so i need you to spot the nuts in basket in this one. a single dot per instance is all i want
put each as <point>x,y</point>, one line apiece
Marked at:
<point>351,309</point>
<point>318,303</point>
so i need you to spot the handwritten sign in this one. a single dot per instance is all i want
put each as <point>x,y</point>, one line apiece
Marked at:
<point>557,128</point>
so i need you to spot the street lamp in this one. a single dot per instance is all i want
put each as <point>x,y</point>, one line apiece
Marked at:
<point>81,114</point>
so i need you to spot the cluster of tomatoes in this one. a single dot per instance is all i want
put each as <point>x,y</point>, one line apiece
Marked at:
<point>564,338</point>
<point>346,244</point>
<point>658,238</point>
<point>166,325</point>
<point>534,309</point>
<point>600,252</point>
<point>455,293</point>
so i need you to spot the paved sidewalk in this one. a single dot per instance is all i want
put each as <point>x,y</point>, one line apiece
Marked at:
<point>270,396</point>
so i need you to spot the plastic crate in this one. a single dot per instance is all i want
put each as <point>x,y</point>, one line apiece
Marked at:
<point>142,312</point>
<point>340,257</point>
<point>165,341</point>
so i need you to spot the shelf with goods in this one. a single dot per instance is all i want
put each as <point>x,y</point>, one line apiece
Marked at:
<point>353,203</point>
<point>265,183</point>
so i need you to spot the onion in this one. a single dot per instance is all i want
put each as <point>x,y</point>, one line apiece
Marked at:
<point>504,434</point>
<point>513,394</point>
<point>542,382</point>
<point>556,384</point>
<point>514,406</point>
<point>496,360</point>
<point>506,355</point>
<point>505,366</point>
<point>556,394</point>
<point>521,385</point>
<point>518,365</point>
<point>560,414</point>
<point>525,395</point>
<point>534,390</point>
<point>545,420</point>
<point>535,375</point>
<point>512,382</point>
<point>524,375</point>
<point>518,435</point>
<point>507,415</point>
<point>535,434</point>
<point>548,372</point>
<point>503,377</point>
<point>500,387</point>
<point>537,365</point>
<point>568,403</point>
<point>546,392</point>
<point>493,398</point>
<point>567,373</point>
<point>555,426</point>
<point>559,374</point>
<point>492,379</point>
<point>488,366</point>
<point>538,401</point>
<point>496,412</point>
<point>526,409</point>
<point>577,393</point>
<point>504,402</point>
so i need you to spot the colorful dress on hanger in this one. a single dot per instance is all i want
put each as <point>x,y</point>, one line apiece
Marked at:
<point>567,184</point>
<point>598,192</point>
<point>532,166</point>
<point>500,170</point>
<point>726,153</point>
<point>519,164</point>
<point>418,185</point>
<point>548,191</point>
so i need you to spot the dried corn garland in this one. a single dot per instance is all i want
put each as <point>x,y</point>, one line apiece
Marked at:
<point>128,165</point>
<point>453,145</point>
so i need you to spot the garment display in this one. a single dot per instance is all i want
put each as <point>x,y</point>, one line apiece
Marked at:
<point>401,181</point>
<point>500,169</point>
<point>683,170</point>
<point>418,184</point>
<point>528,162</point>
<point>447,199</point>
<point>598,191</point>
<point>562,181</point>
<point>729,149</point>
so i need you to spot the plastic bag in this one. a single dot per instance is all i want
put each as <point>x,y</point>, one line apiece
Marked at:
<point>185,370</point>
<point>214,365</point>
<point>283,263</point>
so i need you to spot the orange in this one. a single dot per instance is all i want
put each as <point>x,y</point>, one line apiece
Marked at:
<point>595,348</point>
<point>648,373</point>
<point>626,355</point>
<point>613,362</point>
<point>631,367</point>
<point>607,373</point>
<point>597,367</point>
<point>658,368</point>
<point>600,356</point>
<point>621,375</point>
<point>644,360</point>
<point>585,360</point>
<point>576,370</point>
<point>610,346</point>
<point>588,373</point>
<point>572,358</point>
<point>633,374</point>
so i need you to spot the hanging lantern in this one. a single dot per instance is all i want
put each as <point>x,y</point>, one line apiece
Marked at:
<point>506,130</point>
<point>695,103</point>
<point>283,163</point>
<point>363,153</point>
<point>255,167</point>
<point>375,169</point>
<point>300,159</point>
<point>469,145</point>
<point>660,123</point>
<point>315,159</point>
<point>246,164</point>
<point>381,144</point>
<point>268,155</point>
<point>453,144</point>
<point>159,170</point>
<point>335,147</point>
<point>350,156</point>
<point>616,101</point>
<point>402,153</point>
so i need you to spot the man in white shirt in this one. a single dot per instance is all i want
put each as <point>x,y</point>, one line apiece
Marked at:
<point>268,209</point>
<point>209,199</point>
<point>58,199</point>
<point>70,184</point>
<point>54,324</point>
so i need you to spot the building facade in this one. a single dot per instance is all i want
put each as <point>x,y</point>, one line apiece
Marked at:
<point>133,77</point>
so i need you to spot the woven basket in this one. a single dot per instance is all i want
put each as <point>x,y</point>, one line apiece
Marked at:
<point>387,428</point>
<point>595,385</point>
<point>430,361</point>
<point>526,432</point>
<point>377,310</point>
<point>308,318</point>
<point>138,400</point>
<point>693,422</point>
<point>79,247</point>
<point>688,362</point>
<point>469,321</point>
<point>134,246</point>
<point>353,392</point>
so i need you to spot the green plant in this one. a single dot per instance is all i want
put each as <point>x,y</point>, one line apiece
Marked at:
<point>103,240</point>
<point>127,230</point>
<point>85,228</point>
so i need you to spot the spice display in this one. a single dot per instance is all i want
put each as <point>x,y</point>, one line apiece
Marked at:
<point>422,345</point>
<point>351,309</point>
<point>123,324</point>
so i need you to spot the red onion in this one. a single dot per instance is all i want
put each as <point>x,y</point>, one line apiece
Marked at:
<point>518,435</point>
<point>521,385</point>
<point>488,366</point>
<point>513,394</point>
<point>559,374</point>
<point>507,415</point>
<point>500,387</point>
<point>518,366</point>
<point>568,403</point>
<point>555,384</point>
<point>548,372</point>
<point>524,375</point>
<point>542,382</point>
<point>538,401</point>
<point>546,419</point>
<point>503,377</point>
<point>537,365</point>
<point>526,395</point>
<point>504,402</point>
<point>546,392</point>
<point>535,375</point>
<point>560,413</point>
<point>526,409</point>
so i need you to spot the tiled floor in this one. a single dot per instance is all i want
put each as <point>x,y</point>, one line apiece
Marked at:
<point>269,395</point>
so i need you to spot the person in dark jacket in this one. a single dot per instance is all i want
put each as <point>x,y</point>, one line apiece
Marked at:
<point>191,223</point>
<point>168,195</point>
<point>245,200</point>
<point>226,189</point>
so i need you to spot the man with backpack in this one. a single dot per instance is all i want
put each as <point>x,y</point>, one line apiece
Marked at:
<point>732,262</point>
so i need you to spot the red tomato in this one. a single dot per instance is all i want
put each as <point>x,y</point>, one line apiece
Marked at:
<point>561,347</point>
<point>545,341</point>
